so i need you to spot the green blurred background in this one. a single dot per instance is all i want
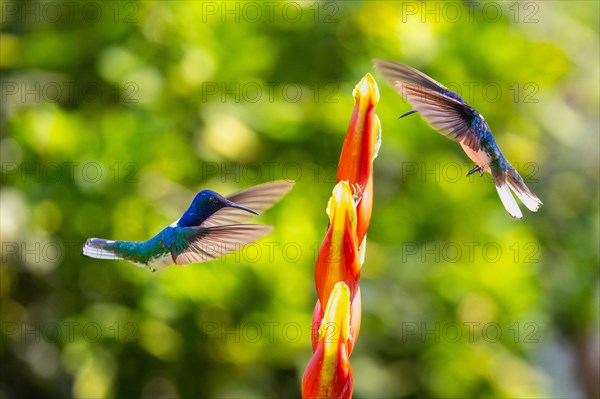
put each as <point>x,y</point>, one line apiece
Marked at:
<point>114,114</point>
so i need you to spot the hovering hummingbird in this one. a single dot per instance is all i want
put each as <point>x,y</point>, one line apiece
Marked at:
<point>448,113</point>
<point>209,229</point>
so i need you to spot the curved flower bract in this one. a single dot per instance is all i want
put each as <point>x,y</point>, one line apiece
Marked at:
<point>355,318</point>
<point>329,374</point>
<point>338,258</point>
<point>361,146</point>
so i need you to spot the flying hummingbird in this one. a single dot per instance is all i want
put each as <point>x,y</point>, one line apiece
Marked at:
<point>209,229</point>
<point>448,113</point>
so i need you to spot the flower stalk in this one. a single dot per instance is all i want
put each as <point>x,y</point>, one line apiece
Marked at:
<point>340,258</point>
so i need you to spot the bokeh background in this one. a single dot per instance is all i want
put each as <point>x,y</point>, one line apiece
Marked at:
<point>114,114</point>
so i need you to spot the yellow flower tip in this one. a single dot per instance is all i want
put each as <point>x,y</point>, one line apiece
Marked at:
<point>342,200</point>
<point>336,318</point>
<point>367,89</point>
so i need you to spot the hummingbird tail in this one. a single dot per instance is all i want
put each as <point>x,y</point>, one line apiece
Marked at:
<point>99,248</point>
<point>509,202</point>
<point>511,180</point>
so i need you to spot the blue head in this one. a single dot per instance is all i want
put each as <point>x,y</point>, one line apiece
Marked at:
<point>205,204</point>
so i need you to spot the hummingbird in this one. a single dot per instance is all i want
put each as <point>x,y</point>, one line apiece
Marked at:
<point>210,228</point>
<point>448,113</point>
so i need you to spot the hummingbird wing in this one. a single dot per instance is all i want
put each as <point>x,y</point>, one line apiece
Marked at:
<point>201,244</point>
<point>448,116</point>
<point>443,109</point>
<point>257,198</point>
<point>395,72</point>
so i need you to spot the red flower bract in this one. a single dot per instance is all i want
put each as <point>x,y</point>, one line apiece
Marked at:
<point>338,258</point>
<point>361,145</point>
<point>329,374</point>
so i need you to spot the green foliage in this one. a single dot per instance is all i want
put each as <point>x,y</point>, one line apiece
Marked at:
<point>114,114</point>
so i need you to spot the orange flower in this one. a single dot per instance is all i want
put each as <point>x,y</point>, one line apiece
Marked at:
<point>329,374</point>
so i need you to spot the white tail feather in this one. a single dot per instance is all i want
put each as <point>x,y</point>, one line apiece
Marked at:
<point>531,202</point>
<point>509,202</point>
<point>98,253</point>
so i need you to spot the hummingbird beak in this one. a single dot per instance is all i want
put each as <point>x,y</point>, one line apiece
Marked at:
<point>234,205</point>
<point>412,111</point>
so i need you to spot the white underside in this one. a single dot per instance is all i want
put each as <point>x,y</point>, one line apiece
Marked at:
<point>160,262</point>
<point>481,158</point>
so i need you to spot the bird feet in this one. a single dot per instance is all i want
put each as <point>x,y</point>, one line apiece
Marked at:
<point>476,169</point>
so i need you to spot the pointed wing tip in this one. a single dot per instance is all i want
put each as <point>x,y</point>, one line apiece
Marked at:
<point>377,62</point>
<point>382,63</point>
<point>284,182</point>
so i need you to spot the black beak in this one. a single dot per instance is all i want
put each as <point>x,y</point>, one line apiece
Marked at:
<point>412,111</point>
<point>234,205</point>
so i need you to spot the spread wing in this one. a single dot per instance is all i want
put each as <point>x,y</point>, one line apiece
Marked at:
<point>444,110</point>
<point>455,120</point>
<point>200,244</point>
<point>257,198</point>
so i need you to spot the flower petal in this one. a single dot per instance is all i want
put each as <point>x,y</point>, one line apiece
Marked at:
<point>363,136</point>
<point>361,146</point>
<point>355,319</point>
<point>338,258</point>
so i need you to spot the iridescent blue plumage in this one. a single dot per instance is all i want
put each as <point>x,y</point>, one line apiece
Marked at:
<point>211,227</point>
<point>448,113</point>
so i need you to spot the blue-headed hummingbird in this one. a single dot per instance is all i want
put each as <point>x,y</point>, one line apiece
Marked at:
<point>210,228</point>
